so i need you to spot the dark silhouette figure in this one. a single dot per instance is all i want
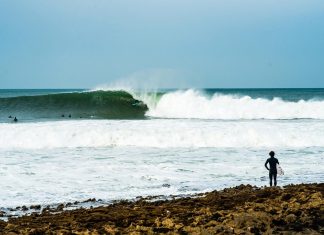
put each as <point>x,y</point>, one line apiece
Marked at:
<point>10,116</point>
<point>62,115</point>
<point>15,119</point>
<point>70,116</point>
<point>273,167</point>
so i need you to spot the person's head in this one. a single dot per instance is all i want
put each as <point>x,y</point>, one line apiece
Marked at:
<point>272,154</point>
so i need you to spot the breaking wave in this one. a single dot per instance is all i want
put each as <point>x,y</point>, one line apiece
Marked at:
<point>186,104</point>
<point>94,104</point>
<point>195,104</point>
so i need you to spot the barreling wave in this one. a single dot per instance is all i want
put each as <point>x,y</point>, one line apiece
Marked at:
<point>94,104</point>
<point>195,104</point>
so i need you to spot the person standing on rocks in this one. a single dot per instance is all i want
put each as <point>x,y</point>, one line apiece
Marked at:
<point>273,167</point>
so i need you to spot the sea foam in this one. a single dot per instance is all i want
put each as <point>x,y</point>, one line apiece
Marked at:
<point>162,133</point>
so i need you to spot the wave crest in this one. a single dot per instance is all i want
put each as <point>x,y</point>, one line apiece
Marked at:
<point>94,104</point>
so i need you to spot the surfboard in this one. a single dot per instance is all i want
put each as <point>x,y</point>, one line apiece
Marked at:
<point>280,170</point>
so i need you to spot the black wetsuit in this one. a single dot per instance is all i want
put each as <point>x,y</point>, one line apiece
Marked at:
<point>273,169</point>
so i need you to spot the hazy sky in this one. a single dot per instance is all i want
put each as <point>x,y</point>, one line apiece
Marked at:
<point>169,43</point>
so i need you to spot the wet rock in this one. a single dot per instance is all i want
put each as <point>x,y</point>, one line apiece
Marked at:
<point>35,207</point>
<point>286,196</point>
<point>296,209</point>
<point>291,218</point>
<point>60,207</point>
<point>161,230</point>
<point>90,200</point>
<point>68,204</point>
<point>46,209</point>
<point>216,216</point>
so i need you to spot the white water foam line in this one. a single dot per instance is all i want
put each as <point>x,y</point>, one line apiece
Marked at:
<point>162,133</point>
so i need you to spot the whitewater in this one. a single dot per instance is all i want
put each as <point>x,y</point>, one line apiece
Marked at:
<point>159,143</point>
<point>194,104</point>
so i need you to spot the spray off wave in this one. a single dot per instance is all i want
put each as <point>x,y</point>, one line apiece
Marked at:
<point>194,104</point>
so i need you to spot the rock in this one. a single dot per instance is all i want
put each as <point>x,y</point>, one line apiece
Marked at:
<point>239,210</point>
<point>168,223</point>
<point>68,204</point>
<point>35,207</point>
<point>291,218</point>
<point>216,216</point>
<point>91,200</point>
<point>286,196</point>
<point>60,207</point>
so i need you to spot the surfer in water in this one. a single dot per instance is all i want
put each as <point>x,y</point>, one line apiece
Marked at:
<point>15,119</point>
<point>273,167</point>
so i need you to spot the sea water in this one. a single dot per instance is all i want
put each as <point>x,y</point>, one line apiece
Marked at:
<point>187,141</point>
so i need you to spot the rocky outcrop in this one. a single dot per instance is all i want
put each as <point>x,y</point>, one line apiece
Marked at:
<point>241,210</point>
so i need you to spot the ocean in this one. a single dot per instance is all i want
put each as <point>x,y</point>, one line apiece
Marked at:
<point>71,145</point>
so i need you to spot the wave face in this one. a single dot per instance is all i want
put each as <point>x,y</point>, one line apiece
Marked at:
<point>195,104</point>
<point>95,104</point>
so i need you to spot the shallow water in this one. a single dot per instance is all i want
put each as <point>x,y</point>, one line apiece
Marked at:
<point>120,159</point>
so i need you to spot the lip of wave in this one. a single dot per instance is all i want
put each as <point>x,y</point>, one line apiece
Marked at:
<point>192,104</point>
<point>172,133</point>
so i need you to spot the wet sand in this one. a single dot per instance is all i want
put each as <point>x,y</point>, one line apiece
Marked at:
<point>294,209</point>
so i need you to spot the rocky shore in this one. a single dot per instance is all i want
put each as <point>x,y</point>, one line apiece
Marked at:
<point>294,209</point>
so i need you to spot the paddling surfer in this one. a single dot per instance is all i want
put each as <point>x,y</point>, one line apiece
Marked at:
<point>273,167</point>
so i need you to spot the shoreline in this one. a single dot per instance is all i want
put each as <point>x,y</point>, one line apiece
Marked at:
<point>241,209</point>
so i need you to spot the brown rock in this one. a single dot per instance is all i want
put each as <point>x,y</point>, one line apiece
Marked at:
<point>239,210</point>
<point>291,218</point>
